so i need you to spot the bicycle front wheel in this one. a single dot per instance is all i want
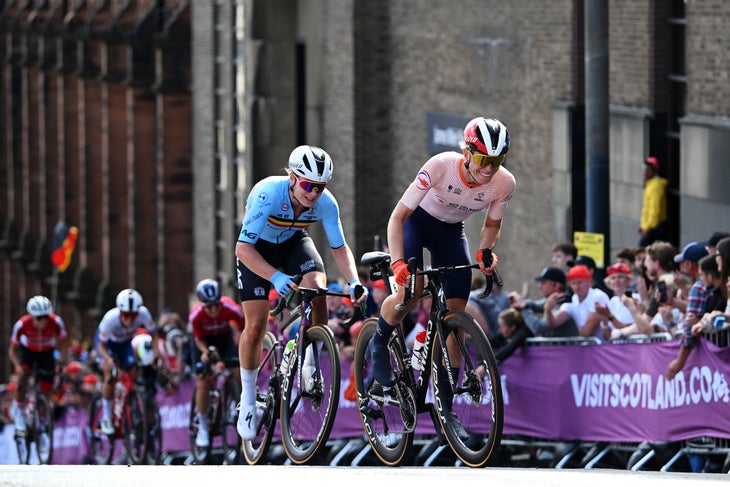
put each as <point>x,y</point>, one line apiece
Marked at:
<point>309,403</point>
<point>43,430</point>
<point>381,416</point>
<point>101,446</point>
<point>154,440</point>
<point>469,398</point>
<point>267,403</point>
<point>228,417</point>
<point>134,426</point>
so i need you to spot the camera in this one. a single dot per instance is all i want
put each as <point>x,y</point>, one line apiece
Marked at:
<point>567,295</point>
<point>662,288</point>
<point>629,293</point>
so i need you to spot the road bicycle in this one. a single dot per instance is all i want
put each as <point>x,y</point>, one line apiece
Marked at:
<point>304,392</point>
<point>129,418</point>
<point>38,413</point>
<point>459,384</point>
<point>223,394</point>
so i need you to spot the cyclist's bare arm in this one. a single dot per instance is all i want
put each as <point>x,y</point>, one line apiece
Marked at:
<point>346,262</point>
<point>395,230</point>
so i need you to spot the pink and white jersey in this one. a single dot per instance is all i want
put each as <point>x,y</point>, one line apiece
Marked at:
<point>441,190</point>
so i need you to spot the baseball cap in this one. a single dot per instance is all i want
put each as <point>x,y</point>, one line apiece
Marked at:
<point>693,252</point>
<point>715,238</point>
<point>653,162</point>
<point>551,274</point>
<point>579,272</point>
<point>618,268</point>
<point>586,261</point>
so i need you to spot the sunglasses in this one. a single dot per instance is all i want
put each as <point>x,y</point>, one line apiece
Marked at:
<point>310,186</point>
<point>212,305</point>
<point>484,160</point>
<point>42,317</point>
<point>127,314</point>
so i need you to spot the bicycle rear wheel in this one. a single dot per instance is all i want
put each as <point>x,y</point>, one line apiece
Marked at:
<point>228,417</point>
<point>134,426</point>
<point>43,430</point>
<point>154,435</point>
<point>380,414</point>
<point>470,408</point>
<point>101,446</point>
<point>22,444</point>
<point>267,403</point>
<point>201,454</point>
<point>308,412</point>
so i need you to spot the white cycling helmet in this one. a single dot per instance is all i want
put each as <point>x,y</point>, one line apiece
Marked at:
<point>142,345</point>
<point>129,301</point>
<point>39,306</point>
<point>487,135</point>
<point>312,163</point>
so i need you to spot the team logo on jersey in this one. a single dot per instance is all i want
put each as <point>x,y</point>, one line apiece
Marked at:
<point>479,197</point>
<point>255,217</point>
<point>262,197</point>
<point>423,180</point>
<point>284,207</point>
<point>439,199</point>
<point>259,291</point>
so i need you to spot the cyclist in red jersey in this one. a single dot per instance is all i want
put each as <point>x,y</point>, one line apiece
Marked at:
<point>213,320</point>
<point>34,339</point>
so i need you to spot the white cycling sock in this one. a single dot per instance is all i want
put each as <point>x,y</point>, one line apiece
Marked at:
<point>248,386</point>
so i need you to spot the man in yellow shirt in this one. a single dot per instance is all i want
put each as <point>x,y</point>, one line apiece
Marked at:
<point>654,209</point>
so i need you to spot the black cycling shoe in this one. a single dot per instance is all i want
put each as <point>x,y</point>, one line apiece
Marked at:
<point>456,425</point>
<point>382,370</point>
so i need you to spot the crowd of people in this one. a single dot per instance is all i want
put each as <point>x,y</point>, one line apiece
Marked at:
<point>653,288</point>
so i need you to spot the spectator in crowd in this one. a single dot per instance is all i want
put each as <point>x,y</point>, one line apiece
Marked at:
<point>654,208</point>
<point>564,255</point>
<point>486,310</point>
<point>659,263</point>
<point>511,334</point>
<point>700,317</point>
<point>581,307</point>
<point>714,239</point>
<point>552,285</point>
<point>692,300</point>
<point>174,349</point>
<point>616,313</point>
<point>598,283</point>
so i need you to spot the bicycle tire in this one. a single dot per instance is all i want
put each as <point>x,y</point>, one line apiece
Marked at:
<point>134,428</point>
<point>43,430</point>
<point>101,446</point>
<point>267,403</point>
<point>201,454</point>
<point>308,414</point>
<point>477,404</point>
<point>153,450</point>
<point>22,445</point>
<point>228,417</point>
<point>378,417</point>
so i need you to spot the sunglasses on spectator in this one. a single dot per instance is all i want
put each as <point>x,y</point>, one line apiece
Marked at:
<point>127,314</point>
<point>484,160</point>
<point>310,186</point>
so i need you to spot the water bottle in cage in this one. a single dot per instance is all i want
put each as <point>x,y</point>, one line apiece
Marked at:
<point>118,399</point>
<point>288,352</point>
<point>418,357</point>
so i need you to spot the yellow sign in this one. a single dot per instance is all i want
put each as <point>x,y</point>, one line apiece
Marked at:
<point>591,245</point>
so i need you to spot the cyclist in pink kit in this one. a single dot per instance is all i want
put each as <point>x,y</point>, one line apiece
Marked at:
<point>449,188</point>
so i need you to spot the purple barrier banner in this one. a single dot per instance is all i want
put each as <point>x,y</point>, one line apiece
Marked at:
<point>70,440</point>
<point>616,392</point>
<point>175,416</point>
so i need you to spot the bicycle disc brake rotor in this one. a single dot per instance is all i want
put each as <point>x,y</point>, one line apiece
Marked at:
<point>407,406</point>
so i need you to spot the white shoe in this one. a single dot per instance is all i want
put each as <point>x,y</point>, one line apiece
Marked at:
<point>246,424</point>
<point>202,440</point>
<point>107,427</point>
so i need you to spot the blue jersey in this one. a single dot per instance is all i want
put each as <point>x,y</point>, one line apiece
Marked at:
<point>270,216</point>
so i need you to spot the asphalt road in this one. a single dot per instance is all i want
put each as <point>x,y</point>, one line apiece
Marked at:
<point>204,476</point>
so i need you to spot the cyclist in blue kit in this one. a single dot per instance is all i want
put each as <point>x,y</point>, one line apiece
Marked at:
<point>274,245</point>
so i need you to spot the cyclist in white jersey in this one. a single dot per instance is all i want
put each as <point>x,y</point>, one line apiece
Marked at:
<point>274,245</point>
<point>114,344</point>
<point>449,187</point>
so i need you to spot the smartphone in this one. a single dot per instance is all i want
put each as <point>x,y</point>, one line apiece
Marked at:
<point>629,293</point>
<point>662,288</point>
